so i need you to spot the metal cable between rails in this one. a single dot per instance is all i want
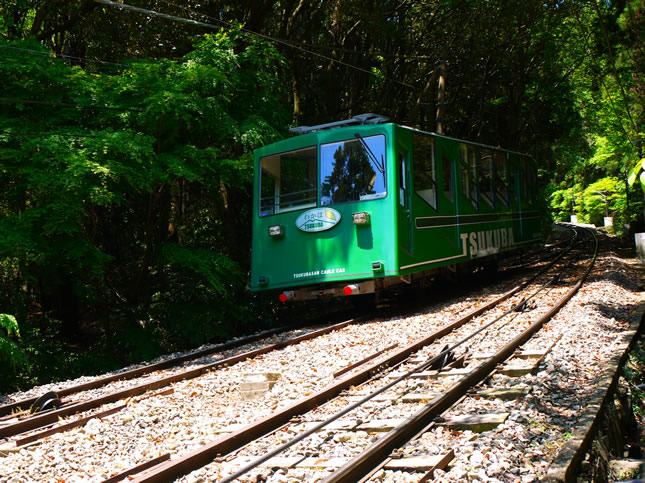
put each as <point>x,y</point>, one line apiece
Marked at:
<point>421,367</point>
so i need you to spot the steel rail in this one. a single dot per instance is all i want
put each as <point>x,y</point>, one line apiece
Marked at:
<point>66,426</point>
<point>49,417</point>
<point>419,368</point>
<point>138,468</point>
<point>73,424</point>
<point>226,444</point>
<point>571,243</point>
<point>371,357</point>
<point>358,467</point>
<point>183,465</point>
<point>139,371</point>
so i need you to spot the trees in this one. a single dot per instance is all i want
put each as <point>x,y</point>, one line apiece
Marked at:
<point>125,184</point>
<point>125,197</point>
<point>607,84</point>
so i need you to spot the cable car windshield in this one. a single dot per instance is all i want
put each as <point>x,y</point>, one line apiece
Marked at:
<point>352,170</point>
<point>288,181</point>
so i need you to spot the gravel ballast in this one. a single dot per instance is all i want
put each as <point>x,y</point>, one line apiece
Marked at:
<point>589,330</point>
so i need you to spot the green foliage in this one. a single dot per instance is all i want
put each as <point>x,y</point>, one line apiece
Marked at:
<point>9,350</point>
<point>200,297</point>
<point>634,371</point>
<point>125,189</point>
<point>50,359</point>
<point>124,213</point>
<point>601,199</point>
<point>562,204</point>
<point>605,197</point>
<point>605,75</point>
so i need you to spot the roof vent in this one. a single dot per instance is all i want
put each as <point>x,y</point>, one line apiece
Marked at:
<point>359,119</point>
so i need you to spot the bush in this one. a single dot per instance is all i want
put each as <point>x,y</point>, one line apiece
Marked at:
<point>9,350</point>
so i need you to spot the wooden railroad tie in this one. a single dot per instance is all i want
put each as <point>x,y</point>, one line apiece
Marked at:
<point>475,422</point>
<point>409,463</point>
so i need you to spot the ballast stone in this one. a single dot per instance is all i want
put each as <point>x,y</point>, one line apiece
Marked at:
<point>257,384</point>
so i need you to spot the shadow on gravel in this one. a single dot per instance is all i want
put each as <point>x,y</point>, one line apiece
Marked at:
<point>619,270</point>
<point>619,312</point>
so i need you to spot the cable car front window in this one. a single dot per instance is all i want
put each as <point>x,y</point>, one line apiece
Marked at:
<point>288,181</point>
<point>353,170</point>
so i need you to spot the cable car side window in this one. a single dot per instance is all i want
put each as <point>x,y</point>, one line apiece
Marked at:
<point>486,177</point>
<point>511,179</point>
<point>473,155</point>
<point>425,170</point>
<point>288,181</point>
<point>501,176</point>
<point>353,170</point>
<point>448,184</point>
<point>465,173</point>
<point>526,173</point>
<point>531,175</point>
<point>403,187</point>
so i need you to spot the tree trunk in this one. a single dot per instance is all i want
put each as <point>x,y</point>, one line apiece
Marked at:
<point>441,97</point>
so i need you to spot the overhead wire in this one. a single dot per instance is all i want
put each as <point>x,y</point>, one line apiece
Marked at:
<point>229,26</point>
<point>225,25</point>
<point>157,14</point>
<point>285,42</point>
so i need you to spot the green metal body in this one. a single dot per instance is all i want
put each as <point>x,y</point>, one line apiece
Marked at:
<point>405,233</point>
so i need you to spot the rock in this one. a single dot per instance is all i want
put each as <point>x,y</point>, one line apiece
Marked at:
<point>477,458</point>
<point>625,469</point>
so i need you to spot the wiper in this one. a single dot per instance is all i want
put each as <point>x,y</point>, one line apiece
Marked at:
<point>370,154</point>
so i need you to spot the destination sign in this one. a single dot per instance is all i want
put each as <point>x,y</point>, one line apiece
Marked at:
<point>318,219</point>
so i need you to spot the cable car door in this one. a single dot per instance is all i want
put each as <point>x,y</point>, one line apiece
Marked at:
<point>405,193</point>
<point>447,154</point>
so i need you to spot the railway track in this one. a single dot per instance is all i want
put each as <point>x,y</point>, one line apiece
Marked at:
<point>25,404</point>
<point>237,447</point>
<point>228,444</point>
<point>20,420</point>
<point>27,414</point>
<point>358,466</point>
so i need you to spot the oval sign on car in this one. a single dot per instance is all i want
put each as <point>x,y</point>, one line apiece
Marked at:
<point>319,219</point>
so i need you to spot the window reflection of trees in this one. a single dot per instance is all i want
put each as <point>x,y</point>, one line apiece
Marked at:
<point>352,175</point>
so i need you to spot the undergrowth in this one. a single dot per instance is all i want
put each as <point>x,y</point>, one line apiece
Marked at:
<point>634,372</point>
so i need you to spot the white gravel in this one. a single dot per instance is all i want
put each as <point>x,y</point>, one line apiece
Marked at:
<point>201,409</point>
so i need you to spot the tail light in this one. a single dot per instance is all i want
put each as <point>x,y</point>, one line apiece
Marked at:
<point>351,289</point>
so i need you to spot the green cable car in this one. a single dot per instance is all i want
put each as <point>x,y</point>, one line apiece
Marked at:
<point>356,206</point>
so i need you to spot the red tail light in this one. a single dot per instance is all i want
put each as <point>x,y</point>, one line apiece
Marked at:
<point>350,289</point>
